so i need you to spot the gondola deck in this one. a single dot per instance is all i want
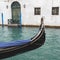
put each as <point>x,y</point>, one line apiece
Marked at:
<point>8,49</point>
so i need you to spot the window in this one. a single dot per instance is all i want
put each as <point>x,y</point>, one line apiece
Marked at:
<point>55,10</point>
<point>37,11</point>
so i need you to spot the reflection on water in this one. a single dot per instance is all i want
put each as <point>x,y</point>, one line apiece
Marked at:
<point>49,51</point>
<point>16,33</point>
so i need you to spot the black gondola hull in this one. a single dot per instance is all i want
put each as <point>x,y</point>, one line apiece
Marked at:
<point>11,51</point>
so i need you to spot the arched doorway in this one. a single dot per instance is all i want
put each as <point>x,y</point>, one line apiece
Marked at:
<point>16,12</point>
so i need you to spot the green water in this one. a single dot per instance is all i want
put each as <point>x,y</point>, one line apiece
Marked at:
<point>49,51</point>
<point>16,33</point>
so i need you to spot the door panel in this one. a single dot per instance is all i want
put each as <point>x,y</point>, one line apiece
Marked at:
<point>16,11</point>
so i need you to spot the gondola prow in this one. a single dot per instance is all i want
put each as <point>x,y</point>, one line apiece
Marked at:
<point>42,20</point>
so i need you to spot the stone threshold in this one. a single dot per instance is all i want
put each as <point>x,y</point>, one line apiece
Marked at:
<point>16,25</point>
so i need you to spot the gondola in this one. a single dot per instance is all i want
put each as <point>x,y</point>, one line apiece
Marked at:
<point>8,49</point>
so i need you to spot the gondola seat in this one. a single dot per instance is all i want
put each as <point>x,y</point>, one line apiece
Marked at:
<point>13,43</point>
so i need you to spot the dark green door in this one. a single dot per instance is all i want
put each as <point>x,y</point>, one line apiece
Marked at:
<point>16,12</point>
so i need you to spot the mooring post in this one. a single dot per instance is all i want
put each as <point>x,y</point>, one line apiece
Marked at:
<point>20,20</point>
<point>2,20</point>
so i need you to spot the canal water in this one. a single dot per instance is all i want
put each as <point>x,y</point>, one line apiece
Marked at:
<point>49,51</point>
